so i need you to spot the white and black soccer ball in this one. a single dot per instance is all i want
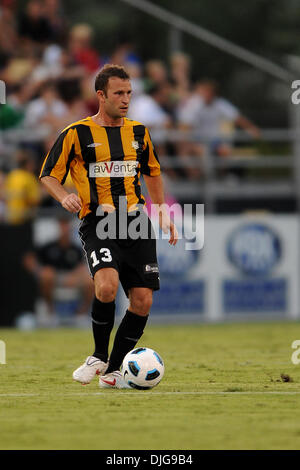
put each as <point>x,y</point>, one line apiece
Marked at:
<point>143,368</point>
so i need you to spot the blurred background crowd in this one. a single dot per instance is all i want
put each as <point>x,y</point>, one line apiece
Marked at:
<point>49,66</point>
<point>48,62</point>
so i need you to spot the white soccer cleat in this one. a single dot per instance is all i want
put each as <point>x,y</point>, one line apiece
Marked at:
<point>91,367</point>
<point>113,380</point>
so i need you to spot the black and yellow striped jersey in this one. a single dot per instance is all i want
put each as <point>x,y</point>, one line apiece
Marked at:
<point>104,162</point>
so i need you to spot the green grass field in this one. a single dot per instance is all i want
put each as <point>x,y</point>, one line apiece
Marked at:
<point>222,390</point>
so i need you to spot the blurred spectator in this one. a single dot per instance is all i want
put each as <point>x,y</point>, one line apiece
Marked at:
<point>60,265</point>
<point>52,58</point>
<point>125,52</point>
<point>8,30</point>
<point>80,47</point>
<point>180,75</point>
<point>156,74</point>
<point>149,109</point>
<point>59,104</point>
<point>18,69</point>
<point>70,90</point>
<point>53,13</point>
<point>156,112</point>
<point>58,63</point>
<point>49,70</point>
<point>33,24</point>
<point>137,84</point>
<point>46,109</point>
<point>211,120</point>
<point>21,190</point>
<point>23,76</point>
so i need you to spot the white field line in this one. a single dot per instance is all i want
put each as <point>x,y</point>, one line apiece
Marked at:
<point>140,394</point>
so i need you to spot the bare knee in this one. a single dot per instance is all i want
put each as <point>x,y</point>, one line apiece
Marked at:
<point>106,284</point>
<point>106,292</point>
<point>141,301</point>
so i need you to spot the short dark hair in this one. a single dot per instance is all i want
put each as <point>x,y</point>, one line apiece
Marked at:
<point>109,70</point>
<point>213,84</point>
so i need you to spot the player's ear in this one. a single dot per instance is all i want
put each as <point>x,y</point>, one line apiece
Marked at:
<point>101,95</point>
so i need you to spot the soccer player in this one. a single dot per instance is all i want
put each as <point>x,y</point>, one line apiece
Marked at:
<point>94,151</point>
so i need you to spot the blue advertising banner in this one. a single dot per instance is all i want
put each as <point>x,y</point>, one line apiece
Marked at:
<point>264,295</point>
<point>179,297</point>
<point>182,288</point>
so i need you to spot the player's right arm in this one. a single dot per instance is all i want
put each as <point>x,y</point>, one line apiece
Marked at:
<point>55,170</point>
<point>69,201</point>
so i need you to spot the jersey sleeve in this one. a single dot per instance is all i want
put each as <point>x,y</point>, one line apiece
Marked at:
<point>59,158</point>
<point>149,162</point>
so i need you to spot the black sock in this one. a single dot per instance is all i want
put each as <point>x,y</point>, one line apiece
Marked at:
<point>103,316</point>
<point>129,332</point>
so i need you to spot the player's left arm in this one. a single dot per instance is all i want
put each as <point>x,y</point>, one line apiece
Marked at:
<point>156,192</point>
<point>150,168</point>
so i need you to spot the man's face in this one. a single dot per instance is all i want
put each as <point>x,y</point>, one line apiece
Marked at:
<point>116,100</point>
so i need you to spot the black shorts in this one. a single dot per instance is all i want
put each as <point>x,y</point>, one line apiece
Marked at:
<point>135,260</point>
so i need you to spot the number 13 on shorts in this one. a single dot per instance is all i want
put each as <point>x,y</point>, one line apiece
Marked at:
<point>106,256</point>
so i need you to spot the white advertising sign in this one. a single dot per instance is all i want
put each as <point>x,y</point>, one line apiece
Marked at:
<point>249,266</point>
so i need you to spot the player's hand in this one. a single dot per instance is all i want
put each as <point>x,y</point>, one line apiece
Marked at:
<point>71,203</point>
<point>168,226</point>
<point>173,234</point>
